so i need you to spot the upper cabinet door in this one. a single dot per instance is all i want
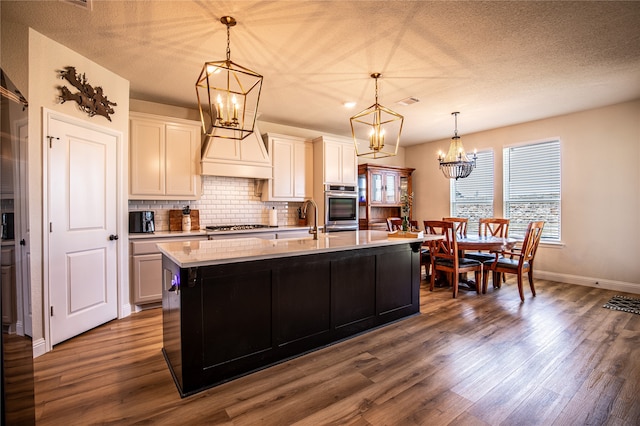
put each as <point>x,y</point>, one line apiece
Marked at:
<point>164,161</point>
<point>337,159</point>
<point>292,175</point>
<point>182,150</point>
<point>391,188</point>
<point>147,158</point>
<point>349,164</point>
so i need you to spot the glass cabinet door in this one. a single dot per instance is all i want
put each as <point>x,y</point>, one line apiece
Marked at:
<point>362,188</point>
<point>390,189</point>
<point>376,188</point>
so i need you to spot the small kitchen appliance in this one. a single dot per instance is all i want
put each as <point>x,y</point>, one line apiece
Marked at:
<point>141,222</point>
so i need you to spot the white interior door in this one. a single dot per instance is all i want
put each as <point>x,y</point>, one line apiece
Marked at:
<point>82,259</point>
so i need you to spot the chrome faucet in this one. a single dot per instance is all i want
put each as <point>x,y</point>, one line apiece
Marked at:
<point>313,230</point>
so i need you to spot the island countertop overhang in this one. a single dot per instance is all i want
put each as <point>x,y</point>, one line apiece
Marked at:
<point>189,254</point>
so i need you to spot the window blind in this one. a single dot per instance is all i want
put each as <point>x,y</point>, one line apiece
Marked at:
<point>532,187</point>
<point>472,197</point>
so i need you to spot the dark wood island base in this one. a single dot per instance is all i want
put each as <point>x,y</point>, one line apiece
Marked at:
<point>224,321</point>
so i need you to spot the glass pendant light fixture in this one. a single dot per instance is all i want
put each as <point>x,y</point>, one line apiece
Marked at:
<point>378,125</point>
<point>228,95</point>
<point>456,164</point>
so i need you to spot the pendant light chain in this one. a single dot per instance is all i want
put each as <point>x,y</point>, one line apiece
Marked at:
<point>228,42</point>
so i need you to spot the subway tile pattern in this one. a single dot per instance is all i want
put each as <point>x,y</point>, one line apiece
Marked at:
<point>224,201</point>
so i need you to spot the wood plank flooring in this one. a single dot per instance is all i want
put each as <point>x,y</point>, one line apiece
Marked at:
<point>559,358</point>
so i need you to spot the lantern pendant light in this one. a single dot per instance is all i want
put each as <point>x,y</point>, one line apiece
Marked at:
<point>228,95</point>
<point>378,125</point>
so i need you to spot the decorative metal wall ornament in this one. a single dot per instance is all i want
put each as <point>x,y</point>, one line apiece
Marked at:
<point>228,95</point>
<point>456,165</point>
<point>90,100</point>
<point>380,126</point>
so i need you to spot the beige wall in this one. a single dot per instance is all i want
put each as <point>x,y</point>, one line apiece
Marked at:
<point>600,225</point>
<point>45,58</point>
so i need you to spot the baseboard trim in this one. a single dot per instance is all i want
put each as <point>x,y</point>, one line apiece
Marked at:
<point>589,281</point>
<point>125,310</point>
<point>39,347</point>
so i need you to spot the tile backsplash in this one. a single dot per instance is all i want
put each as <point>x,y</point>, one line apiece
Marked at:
<point>224,201</point>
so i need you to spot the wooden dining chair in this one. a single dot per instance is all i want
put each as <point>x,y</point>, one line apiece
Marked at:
<point>391,221</point>
<point>489,227</point>
<point>395,224</point>
<point>461,224</point>
<point>445,255</point>
<point>517,261</point>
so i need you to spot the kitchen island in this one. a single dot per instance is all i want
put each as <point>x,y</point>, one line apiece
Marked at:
<point>231,307</point>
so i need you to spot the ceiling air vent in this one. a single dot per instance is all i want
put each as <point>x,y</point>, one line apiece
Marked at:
<point>85,4</point>
<point>408,101</point>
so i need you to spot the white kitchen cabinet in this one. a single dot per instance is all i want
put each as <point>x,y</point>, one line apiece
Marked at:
<point>292,161</point>
<point>335,161</point>
<point>164,160</point>
<point>146,268</point>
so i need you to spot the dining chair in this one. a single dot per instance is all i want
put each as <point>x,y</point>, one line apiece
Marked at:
<point>461,224</point>
<point>445,255</point>
<point>489,227</point>
<point>395,224</point>
<point>517,261</point>
<point>391,221</point>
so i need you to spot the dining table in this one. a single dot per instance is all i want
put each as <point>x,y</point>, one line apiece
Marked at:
<point>485,243</point>
<point>482,243</point>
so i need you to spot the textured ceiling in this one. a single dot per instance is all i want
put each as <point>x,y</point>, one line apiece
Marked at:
<point>498,63</point>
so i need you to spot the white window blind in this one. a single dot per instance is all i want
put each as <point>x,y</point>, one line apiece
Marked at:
<point>532,187</point>
<point>472,197</point>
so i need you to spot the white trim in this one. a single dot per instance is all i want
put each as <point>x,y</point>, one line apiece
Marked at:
<point>39,347</point>
<point>534,142</point>
<point>589,281</point>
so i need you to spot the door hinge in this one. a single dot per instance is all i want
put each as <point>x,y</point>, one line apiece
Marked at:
<point>52,311</point>
<point>51,138</point>
<point>50,226</point>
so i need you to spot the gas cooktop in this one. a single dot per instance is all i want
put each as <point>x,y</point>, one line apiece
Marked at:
<point>234,227</point>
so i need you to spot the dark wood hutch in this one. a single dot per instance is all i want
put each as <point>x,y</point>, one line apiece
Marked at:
<point>380,193</point>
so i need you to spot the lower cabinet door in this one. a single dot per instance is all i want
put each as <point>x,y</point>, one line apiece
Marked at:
<point>147,278</point>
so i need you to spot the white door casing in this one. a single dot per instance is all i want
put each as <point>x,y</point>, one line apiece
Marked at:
<point>23,237</point>
<point>82,216</point>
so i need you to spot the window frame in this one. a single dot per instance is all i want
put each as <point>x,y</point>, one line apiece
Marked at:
<point>517,228</point>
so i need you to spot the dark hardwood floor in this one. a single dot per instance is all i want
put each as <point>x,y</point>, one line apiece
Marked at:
<point>559,358</point>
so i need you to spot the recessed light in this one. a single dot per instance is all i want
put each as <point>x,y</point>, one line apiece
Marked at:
<point>348,104</point>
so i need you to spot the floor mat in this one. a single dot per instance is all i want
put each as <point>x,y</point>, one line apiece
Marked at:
<point>623,303</point>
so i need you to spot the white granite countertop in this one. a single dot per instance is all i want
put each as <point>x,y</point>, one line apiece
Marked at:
<point>216,252</point>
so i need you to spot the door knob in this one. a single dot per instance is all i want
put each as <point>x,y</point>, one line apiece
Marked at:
<point>23,242</point>
<point>113,237</point>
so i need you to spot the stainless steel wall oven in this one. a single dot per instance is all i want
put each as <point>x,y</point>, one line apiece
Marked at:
<point>340,208</point>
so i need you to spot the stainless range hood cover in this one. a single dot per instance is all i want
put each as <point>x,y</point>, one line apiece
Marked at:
<point>247,158</point>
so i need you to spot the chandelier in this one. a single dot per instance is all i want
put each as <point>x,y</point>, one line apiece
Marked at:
<point>456,164</point>
<point>378,125</point>
<point>228,95</point>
